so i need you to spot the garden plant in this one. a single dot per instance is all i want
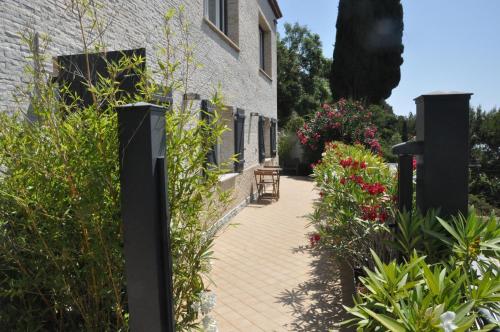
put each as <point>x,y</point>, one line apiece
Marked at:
<point>61,257</point>
<point>356,195</point>
<point>424,274</point>
<point>346,121</point>
<point>449,292</point>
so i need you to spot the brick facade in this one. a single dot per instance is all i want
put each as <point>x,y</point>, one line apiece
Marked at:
<point>133,24</point>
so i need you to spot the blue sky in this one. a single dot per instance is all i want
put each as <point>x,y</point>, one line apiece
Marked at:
<point>450,45</point>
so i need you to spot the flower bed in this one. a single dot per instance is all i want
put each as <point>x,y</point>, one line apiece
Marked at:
<point>447,277</point>
<point>356,190</point>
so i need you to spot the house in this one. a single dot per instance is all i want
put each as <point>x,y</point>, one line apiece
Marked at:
<point>235,40</point>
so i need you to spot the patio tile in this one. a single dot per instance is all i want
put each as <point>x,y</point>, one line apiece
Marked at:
<point>266,277</point>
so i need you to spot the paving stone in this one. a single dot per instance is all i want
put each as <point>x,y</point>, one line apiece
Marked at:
<point>267,278</point>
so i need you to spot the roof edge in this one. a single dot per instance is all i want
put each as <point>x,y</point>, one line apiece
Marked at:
<point>276,8</point>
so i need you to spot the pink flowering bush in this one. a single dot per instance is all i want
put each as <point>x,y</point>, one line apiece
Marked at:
<point>345,121</point>
<point>356,200</point>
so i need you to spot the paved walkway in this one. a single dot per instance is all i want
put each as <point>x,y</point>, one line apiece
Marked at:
<point>266,278</point>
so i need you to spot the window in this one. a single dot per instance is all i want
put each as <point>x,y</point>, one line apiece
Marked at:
<point>265,51</point>
<point>227,142</point>
<point>267,138</point>
<point>262,50</point>
<point>216,12</point>
<point>231,143</point>
<point>222,16</point>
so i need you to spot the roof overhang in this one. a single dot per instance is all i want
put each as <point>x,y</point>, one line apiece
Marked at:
<point>276,8</point>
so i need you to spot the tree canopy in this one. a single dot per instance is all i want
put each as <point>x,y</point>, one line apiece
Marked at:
<point>368,50</point>
<point>303,72</point>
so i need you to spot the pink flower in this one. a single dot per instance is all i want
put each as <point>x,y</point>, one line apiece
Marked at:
<point>375,145</point>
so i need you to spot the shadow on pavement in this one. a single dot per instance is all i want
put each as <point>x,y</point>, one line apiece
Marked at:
<point>317,303</point>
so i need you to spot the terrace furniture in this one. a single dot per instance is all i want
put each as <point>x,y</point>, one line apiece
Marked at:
<point>268,178</point>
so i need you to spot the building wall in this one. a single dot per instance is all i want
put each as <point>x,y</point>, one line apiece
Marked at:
<point>135,23</point>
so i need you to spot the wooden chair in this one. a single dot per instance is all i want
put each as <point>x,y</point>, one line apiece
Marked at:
<point>268,177</point>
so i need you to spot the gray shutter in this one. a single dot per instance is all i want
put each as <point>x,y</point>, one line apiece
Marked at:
<point>239,140</point>
<point>262,145</point>
<point>273,137</point>
<point>207,113</point>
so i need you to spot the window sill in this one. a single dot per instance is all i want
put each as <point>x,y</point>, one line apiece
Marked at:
<point>222,35</point>
<point>266,75</point>
<point>227,176</point>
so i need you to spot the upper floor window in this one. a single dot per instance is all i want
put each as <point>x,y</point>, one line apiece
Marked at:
<point>223,17</point>
<point>265,44</point>
<point>262,48</point>
<point>216,12</point>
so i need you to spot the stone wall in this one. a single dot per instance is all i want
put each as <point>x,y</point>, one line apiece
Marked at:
<point>133,24</point>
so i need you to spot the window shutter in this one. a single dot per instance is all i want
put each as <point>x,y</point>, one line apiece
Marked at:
<point>273,137</point>
<point>262,146</point>
<point>239,140</point>
<point>207,115</point>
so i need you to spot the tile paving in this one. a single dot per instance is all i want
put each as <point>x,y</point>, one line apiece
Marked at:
<point>265,276</point>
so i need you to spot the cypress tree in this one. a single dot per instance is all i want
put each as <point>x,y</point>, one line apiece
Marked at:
<point>368,50</point>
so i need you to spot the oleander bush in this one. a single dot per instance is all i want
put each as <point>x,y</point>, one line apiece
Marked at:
<point>356,198</point>
<point>61,245</point>
<point>450,294</point>
<point>345,121</point>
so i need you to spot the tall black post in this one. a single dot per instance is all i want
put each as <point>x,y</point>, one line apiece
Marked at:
<point>442,168</point>
<point>145,216</point>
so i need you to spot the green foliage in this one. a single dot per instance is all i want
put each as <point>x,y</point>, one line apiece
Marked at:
<point>485,155</point>
<point>482,206</point>
<point>356,189</point>
<point>368,48</point>
<point>60,225</point>
<point>346,121</point>
<point>302,72</point>
<point>416,296</point>
<point>390,128</point>
<point>414,235</point>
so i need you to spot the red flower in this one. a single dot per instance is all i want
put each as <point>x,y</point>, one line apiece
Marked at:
<point>362,165</point>
<point>369,212</point>
<point>314,239</point>
<point>346,162</point>
<point>342,181</point>
<point>373,188</point>
<point>382,216</point>
<point>414,163</point>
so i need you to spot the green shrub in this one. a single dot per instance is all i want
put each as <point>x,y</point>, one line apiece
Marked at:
<point>61,258</point>
<point>346,121</point>
<point>445,296</point>
<point>356,189</point>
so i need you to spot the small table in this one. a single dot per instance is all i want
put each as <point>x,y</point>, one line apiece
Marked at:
<point>269,176</point>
